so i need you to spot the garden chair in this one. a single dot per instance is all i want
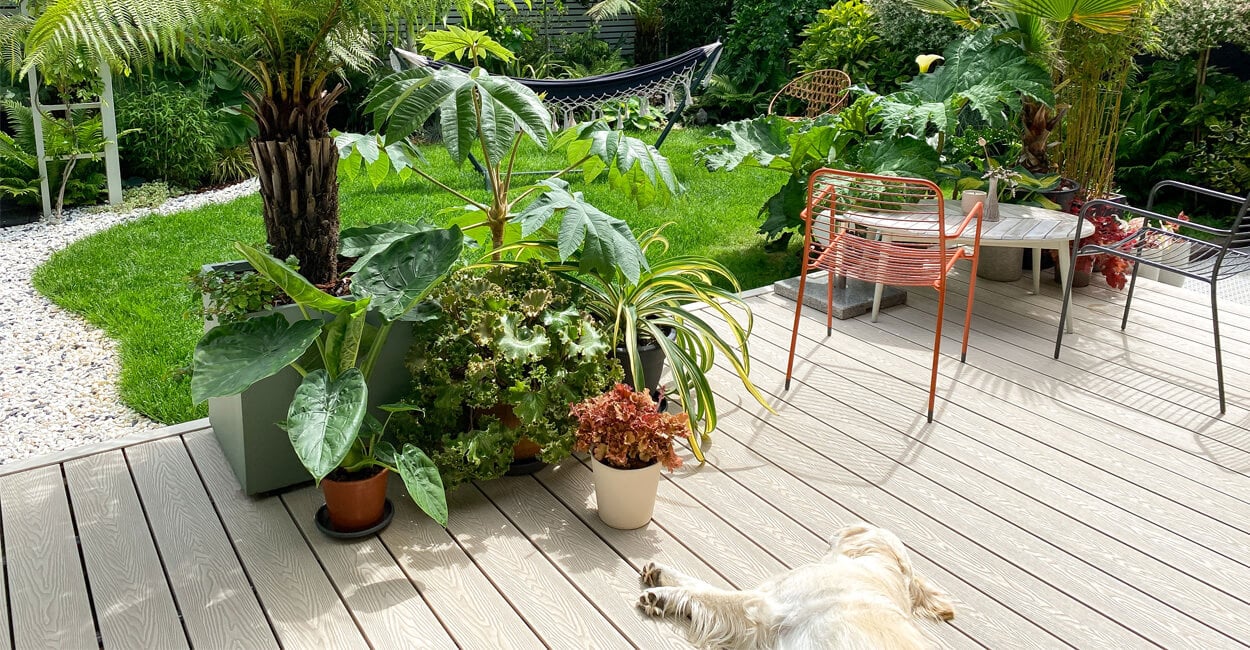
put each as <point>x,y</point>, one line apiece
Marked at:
<point>820,91</point>
<point>884,229</point>
<point>1159,243</point>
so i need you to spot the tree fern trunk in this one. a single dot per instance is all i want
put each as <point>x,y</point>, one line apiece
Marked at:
<point>300,189</point>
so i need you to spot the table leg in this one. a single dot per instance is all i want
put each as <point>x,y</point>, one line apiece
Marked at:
<point>1037,271</point>
<point>1061,272</point>
<point>878,290</point>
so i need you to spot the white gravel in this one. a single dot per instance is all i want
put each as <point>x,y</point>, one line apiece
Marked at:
<point>58,375</point>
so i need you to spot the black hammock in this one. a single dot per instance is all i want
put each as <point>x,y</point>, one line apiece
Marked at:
<point>564,97</point>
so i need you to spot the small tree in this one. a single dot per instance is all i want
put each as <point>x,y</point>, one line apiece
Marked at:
<point>291,49</point>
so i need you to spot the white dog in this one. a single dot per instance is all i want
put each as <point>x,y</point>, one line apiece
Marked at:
<point>862,595</point>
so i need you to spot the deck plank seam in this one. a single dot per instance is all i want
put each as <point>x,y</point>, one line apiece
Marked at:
<point>576,587</point>
<point>991,512</point>
<point>416,587</point>
<point>1043,415</point>
<point>623,556</point>
<point>958,310</point>
<point>320,564</point>
<point>247,574</point>
<point>1067,454</point>
<point>954,623</point>
<point>940,523</point>
<point>160,554</point>
<point>502,594</point>
<point>82,557</point>
<point>942,398</point>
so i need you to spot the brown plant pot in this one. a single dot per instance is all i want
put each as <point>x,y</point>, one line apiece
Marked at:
<point>355,504</point>
<point>524,449</point>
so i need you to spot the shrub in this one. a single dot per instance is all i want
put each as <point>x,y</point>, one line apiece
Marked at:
<point>233,165</point>
<point>625,429</point>
<point>178,134</point>
<point>903,33</point>
<point>843,37</point>
<point>761,30</point>
<point>510,340</point>
<point>691,23</point>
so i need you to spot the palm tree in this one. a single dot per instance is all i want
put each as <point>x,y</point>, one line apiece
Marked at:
<point>291,49</point>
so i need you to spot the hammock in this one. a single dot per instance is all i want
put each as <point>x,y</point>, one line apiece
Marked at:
<point>674,79</point>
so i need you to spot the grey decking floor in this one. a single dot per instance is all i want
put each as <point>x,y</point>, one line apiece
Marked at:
<point>1093,502</point>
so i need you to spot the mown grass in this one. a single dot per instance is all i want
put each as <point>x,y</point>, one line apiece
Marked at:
<point>131,280</point>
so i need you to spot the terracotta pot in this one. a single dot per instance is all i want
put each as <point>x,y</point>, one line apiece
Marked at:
<point>355,505</point>
<point>525,448</point>
<point>626,497</point>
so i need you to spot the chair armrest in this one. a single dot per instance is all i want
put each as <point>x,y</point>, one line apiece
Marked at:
<point>1195,189</point>
<point>1142,212</point>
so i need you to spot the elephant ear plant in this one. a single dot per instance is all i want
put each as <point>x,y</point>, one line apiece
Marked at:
<point>334,350</point>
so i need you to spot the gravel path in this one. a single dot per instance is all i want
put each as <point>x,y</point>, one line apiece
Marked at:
<point>58,375</point>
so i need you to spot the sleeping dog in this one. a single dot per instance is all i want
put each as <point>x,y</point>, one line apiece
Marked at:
<point>864,594</point>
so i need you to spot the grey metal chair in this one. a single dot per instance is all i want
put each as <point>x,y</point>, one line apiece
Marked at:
<point>1225,254</point>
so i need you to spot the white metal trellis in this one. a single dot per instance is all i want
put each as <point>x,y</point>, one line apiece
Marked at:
<point>104,104</point>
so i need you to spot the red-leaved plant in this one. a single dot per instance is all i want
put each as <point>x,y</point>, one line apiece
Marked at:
<point>625,429</point>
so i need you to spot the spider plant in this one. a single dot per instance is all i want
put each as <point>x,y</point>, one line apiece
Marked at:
<point>675,304</point>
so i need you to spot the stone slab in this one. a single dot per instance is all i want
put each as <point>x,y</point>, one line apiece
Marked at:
<point>849,302</point>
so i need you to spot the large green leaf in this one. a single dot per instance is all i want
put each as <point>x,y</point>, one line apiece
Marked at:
<point>634,167</point>
<point>606,243</point>
<point>902,156</point>
<point>343,337</point>
<point>1106,16</point>
<point>303,292</point>
<point>424,483</point>
<point>464,44</point>
<point>402,275</point>
<point>760,140</point>
<point>375,238</point>
<point>233,356</point>
<point>325,418</point>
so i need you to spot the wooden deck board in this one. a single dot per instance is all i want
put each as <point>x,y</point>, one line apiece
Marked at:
<point>133,603</point>
<point>46,588</point>
<point>1094,501</point>
<point>388,608</point>
<point>282,568</point>
<point>218,606</point>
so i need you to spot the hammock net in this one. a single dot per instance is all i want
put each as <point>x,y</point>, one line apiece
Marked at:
<point>669,82</point>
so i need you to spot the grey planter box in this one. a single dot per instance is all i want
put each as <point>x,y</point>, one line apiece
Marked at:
<point>246,427</point>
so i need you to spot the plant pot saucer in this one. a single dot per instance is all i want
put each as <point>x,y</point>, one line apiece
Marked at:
<point>323,523</point>
<point>525,466</point>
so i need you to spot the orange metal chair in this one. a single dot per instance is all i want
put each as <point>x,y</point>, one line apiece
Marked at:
<point>820,91</point>
<point>887,230</point>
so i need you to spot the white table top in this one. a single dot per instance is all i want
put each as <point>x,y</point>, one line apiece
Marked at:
<point>1018,225</point>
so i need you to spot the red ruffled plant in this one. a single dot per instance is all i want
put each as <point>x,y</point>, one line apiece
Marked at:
<point>625,429</point>
<point>1110,228</point>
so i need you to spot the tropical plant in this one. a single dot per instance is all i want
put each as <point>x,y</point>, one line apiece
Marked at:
<point>758,35</point>
<point>983,82</point>
<point>903,33</point>
<point>1186,28</point>
<point>289,48</point>
<point>499,357</point>
<point>633,114</point>
<point>798,148</point>
<point>491,116</point>
<point>334,350</point>
<point>72,144</point>
<point>659,308</point>
<point>624,428</point>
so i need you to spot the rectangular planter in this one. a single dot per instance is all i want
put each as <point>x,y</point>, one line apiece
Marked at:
<point>258,450</point>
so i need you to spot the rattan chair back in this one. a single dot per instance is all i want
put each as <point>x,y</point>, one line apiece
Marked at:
<point>819,92</point>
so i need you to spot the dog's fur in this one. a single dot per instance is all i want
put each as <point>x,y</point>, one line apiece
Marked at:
<point>862,595</point>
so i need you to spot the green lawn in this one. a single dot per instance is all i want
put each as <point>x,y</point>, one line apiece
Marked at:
<point>131,280</point>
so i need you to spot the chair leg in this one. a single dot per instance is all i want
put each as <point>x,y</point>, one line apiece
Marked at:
<point>1067,299</point>
<point>798,313</point>
<point>830,280</point>
<point>972,290</point>
<point>937,347</point>
<point>877,293</point>
<point>1219,361</point>
<point>1128,300</point>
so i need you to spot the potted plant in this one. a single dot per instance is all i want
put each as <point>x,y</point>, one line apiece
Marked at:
<point>502,353</point>
<point>651,319</point>
<point>629,440</point>
<point>334,351</point>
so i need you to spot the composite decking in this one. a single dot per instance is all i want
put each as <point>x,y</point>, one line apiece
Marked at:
<point>1098,501</point>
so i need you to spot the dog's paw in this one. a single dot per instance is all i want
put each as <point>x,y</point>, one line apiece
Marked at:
<point>651,603</point>
<point>651,573</point>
